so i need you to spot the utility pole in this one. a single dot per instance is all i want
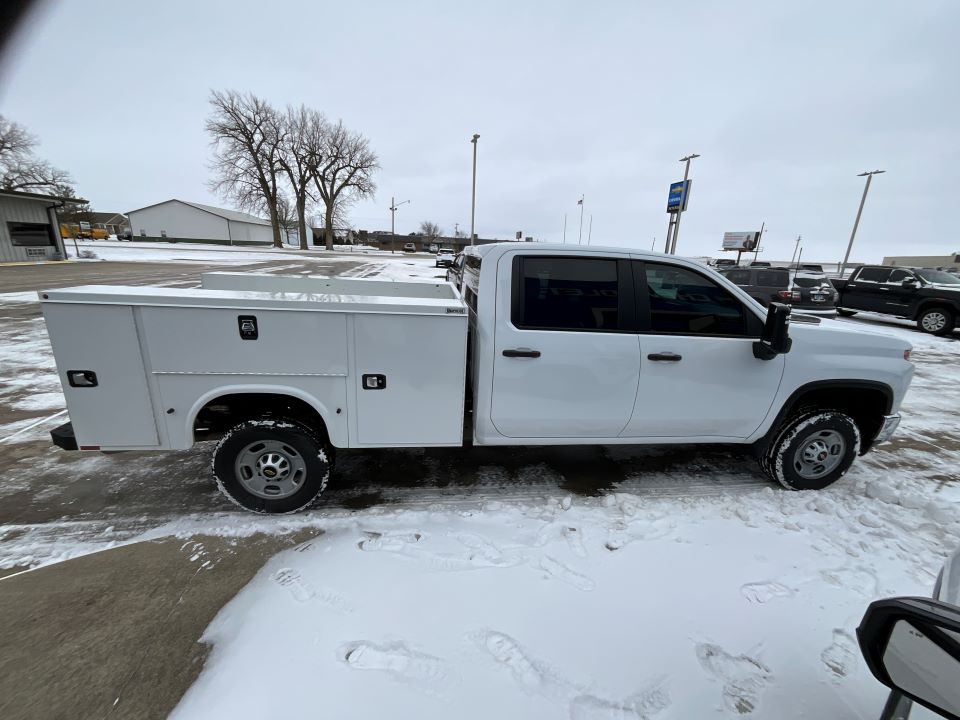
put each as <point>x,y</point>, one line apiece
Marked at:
<point>564,228</point>
<point>795,248</point>
<point>580,236</point>
<point>653,243</point>
<point>393,213</point>
<point>869,175</point>
<point>590,231</point>
<point>676,225</point>
<point>473,194</point>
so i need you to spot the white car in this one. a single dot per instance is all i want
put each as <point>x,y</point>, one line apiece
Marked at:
<point>570,345</point>
<point>445,258</point>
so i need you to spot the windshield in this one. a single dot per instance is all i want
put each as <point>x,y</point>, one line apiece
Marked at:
<point>939,277</point>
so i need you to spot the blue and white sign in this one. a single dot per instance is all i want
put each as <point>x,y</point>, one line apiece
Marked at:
<point>678,197</point>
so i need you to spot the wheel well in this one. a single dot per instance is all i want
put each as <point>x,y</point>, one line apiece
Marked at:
<point>930,304</point>
<point>222,413</point>
<point>866,403</point>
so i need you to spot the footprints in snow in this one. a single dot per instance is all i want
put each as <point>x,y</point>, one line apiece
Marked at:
<point>841,656</point>
<point>303,592</point>
<point>556,569</point>
<point>764,592</point>
<point>535,676</point>
<point>395,659</point>
<point>743,677</point>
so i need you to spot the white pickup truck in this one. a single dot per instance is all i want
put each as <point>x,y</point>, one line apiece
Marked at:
<point>547,345</point>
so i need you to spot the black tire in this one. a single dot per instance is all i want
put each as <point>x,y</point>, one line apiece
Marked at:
<point>306,455</point>
<point>936,321</point>
<point>846,313</point>
<point>837,434</point>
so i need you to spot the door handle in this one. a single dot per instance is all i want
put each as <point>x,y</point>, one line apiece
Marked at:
<point>521,353</point>
<point>665,357</point>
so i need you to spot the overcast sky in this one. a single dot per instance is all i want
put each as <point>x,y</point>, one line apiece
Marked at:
<point>785,102</point>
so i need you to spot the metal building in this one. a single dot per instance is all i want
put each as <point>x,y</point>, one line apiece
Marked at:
<point>28,226</point>
<point>181,221</point>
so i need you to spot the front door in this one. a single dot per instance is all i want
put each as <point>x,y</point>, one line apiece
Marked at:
<point>564,365</point>
<point>698,375</point>
<point>899,299</point>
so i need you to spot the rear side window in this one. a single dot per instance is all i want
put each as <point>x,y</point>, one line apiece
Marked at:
<point>772,278</point>
<point>873,274</point>
<point>738,277</point>
<point>685,302</point>
<point>566,293</point>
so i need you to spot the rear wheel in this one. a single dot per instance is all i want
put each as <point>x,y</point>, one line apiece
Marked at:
<point>272,466</point>
<point>812,450</point>
<point>846,313</point>
<point>936,321</point>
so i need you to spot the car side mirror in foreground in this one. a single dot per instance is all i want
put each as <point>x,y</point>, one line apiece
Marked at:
<point>775,339</point>
<point>909,283</point>
<point>912,645</point>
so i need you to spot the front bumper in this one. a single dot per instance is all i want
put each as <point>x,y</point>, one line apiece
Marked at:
<point>890,423</point>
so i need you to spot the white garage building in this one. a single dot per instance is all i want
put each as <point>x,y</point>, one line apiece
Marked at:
<point>178,220</point>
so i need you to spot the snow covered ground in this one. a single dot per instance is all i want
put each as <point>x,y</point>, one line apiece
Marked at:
<point>682,591</point>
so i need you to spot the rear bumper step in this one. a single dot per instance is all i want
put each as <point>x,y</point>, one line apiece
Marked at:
<point>63,437</point>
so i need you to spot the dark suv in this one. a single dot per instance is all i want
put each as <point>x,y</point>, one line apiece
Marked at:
<point>807,292</point>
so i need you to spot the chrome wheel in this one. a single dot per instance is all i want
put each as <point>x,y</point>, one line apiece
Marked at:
<point>933,321</point>
<point>270,469</point>
<point>819,454</point>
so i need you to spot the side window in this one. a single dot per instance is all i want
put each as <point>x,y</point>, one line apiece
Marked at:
<point>565,293</point>
<point>772,278</point>
<point>684,301</point>
<point>739,277</point>
<point>898,276</point>
<point>873,275</point>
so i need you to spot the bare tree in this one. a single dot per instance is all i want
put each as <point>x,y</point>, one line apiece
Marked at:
<point>247,136</point>
<point>300,153</point>
<point>21,170</point>
<point>287,217</point>
<point>343,172</point>
<point>430,230</point>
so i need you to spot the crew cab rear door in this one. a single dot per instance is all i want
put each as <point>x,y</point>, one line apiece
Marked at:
<point>698,375</point>
<point>566,364</point>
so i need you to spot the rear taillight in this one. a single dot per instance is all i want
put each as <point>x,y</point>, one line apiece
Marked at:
<point>906,354</point>
<point>789,295</point>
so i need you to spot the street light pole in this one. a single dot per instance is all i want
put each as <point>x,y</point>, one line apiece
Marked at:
<point>866,188</point>
<point>580,235</point>
<point>473,195</point>
<point>393,213</point>
<point>676,225</point>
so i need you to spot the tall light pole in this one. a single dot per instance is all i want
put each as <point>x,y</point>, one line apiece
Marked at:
<point>580,235</point>
<point>473,195</point>
<point>393,212</point>
<point>676,225</point>
<point>866,188</point>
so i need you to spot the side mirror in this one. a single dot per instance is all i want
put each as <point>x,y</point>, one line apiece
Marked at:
<point>775,339</point>
<point>912,645</point>
<point>909,283</point>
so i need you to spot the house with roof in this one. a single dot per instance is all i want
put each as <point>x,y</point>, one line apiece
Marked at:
<point>182,221</point>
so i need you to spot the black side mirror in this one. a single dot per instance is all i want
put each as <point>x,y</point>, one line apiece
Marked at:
<point>909,283</point>
<point>912,645</point>
<point>775,339</point>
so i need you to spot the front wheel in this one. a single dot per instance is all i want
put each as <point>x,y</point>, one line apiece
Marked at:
<point>936,321</point>
<point>812,450</point>
<point>272,466</point>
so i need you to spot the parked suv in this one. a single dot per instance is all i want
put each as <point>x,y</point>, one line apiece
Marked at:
<point>444,258</point>
<point>409,247</point>
<point>808,292</point>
